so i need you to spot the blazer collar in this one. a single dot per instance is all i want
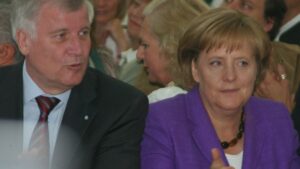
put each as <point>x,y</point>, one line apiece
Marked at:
<point>206,138</point>
<point>204,134</point>
<point>254,136</point>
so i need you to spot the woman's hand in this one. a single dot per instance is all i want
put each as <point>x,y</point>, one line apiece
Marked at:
<point>275,86</point>
<point>217,162</point>
<point>116,30</point>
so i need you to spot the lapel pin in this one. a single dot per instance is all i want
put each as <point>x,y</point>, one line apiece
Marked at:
<point>86,117</point>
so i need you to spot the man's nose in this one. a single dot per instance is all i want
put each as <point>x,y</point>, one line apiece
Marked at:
<point>75,46</point>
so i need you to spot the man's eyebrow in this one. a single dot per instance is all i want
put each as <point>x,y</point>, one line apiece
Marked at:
<point>58,31</point>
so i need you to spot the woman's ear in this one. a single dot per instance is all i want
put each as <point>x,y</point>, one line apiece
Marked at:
<point>195,70</point>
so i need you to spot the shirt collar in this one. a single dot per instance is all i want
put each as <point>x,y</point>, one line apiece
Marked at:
<point>32,90</point>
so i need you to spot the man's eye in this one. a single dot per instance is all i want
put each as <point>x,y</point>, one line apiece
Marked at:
<point>84,33</point>
<point>60,36</point>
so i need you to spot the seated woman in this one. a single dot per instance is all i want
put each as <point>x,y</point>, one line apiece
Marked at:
<point>164,24</point>
<point>219,123</point>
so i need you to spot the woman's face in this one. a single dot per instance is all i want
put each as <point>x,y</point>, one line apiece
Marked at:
<point>150,52</point>
<point>135,16</point>
<point>226,79</point>
<point>105,10</point>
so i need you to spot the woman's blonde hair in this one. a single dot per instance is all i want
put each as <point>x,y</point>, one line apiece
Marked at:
<point>167,21</point>
<point>222,28</point>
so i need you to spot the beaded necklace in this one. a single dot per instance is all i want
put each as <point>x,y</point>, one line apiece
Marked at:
<point>239,135</point>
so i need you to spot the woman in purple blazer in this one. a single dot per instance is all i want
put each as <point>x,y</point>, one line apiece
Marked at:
<point>218,124</point>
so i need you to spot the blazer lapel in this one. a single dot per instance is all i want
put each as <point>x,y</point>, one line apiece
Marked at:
<point>204,134</point>
<point>254,137</point>
<point>77,117</point>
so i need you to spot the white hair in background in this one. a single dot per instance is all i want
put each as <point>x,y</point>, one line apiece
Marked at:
<point>5,25</point>
<point>216,3</point>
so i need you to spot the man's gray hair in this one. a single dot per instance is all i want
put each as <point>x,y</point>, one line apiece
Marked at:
<point>25,12</point>
<point>5,26</point>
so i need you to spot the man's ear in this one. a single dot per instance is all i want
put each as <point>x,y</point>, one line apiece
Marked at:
<point>23,40</point>
<point>268,24</point>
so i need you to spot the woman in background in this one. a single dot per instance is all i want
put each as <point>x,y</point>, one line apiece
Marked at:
<point>108,29</point>
<point>164,24</point>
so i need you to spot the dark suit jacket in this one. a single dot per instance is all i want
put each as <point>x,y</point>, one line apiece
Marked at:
<point>292,35</point>
<point>180,135</point>
<point>106,115</point>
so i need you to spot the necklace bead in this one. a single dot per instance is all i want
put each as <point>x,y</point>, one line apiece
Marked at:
<point>239,135</point>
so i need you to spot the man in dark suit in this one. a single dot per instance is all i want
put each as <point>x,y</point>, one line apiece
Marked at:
<point>105,116</point>
<point>290,30</point>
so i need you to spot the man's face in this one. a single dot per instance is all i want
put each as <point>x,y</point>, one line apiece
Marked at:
<point>252,8</point>
<point>57,57</point>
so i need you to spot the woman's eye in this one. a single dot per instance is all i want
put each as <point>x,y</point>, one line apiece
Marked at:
<point>243,63</point>
<point>246,6</point>
<point>144,45</point>
<point>215,63</point>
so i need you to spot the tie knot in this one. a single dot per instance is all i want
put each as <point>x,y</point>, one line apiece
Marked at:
<point>46,104</point>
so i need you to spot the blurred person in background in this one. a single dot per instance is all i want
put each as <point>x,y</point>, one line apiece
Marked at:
<point>8,49</point>
<point>164,24</point>
<point>282,77</point>
<point>290,28</point>
<point>108,27</point>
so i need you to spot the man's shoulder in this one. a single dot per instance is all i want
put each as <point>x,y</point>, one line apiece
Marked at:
<point>107,85</point>
<point>9,73</point>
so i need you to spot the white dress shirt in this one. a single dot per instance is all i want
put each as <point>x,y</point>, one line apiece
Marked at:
<point>31,111</point>
<point>235,160</point>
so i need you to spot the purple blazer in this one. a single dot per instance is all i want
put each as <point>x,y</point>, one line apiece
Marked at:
<point>179,135</point>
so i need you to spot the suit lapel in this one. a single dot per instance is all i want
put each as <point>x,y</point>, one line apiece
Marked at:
<point>11,103</point>
<point>204,134</point>
<point>79,113</point>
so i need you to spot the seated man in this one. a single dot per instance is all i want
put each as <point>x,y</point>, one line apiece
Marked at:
<point>53,89</point>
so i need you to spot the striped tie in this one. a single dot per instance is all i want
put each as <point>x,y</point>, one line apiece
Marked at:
<point>40,137</point>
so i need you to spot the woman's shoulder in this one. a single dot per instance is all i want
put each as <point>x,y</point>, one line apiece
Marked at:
<point>265,107</point>
<point>165,93</point>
